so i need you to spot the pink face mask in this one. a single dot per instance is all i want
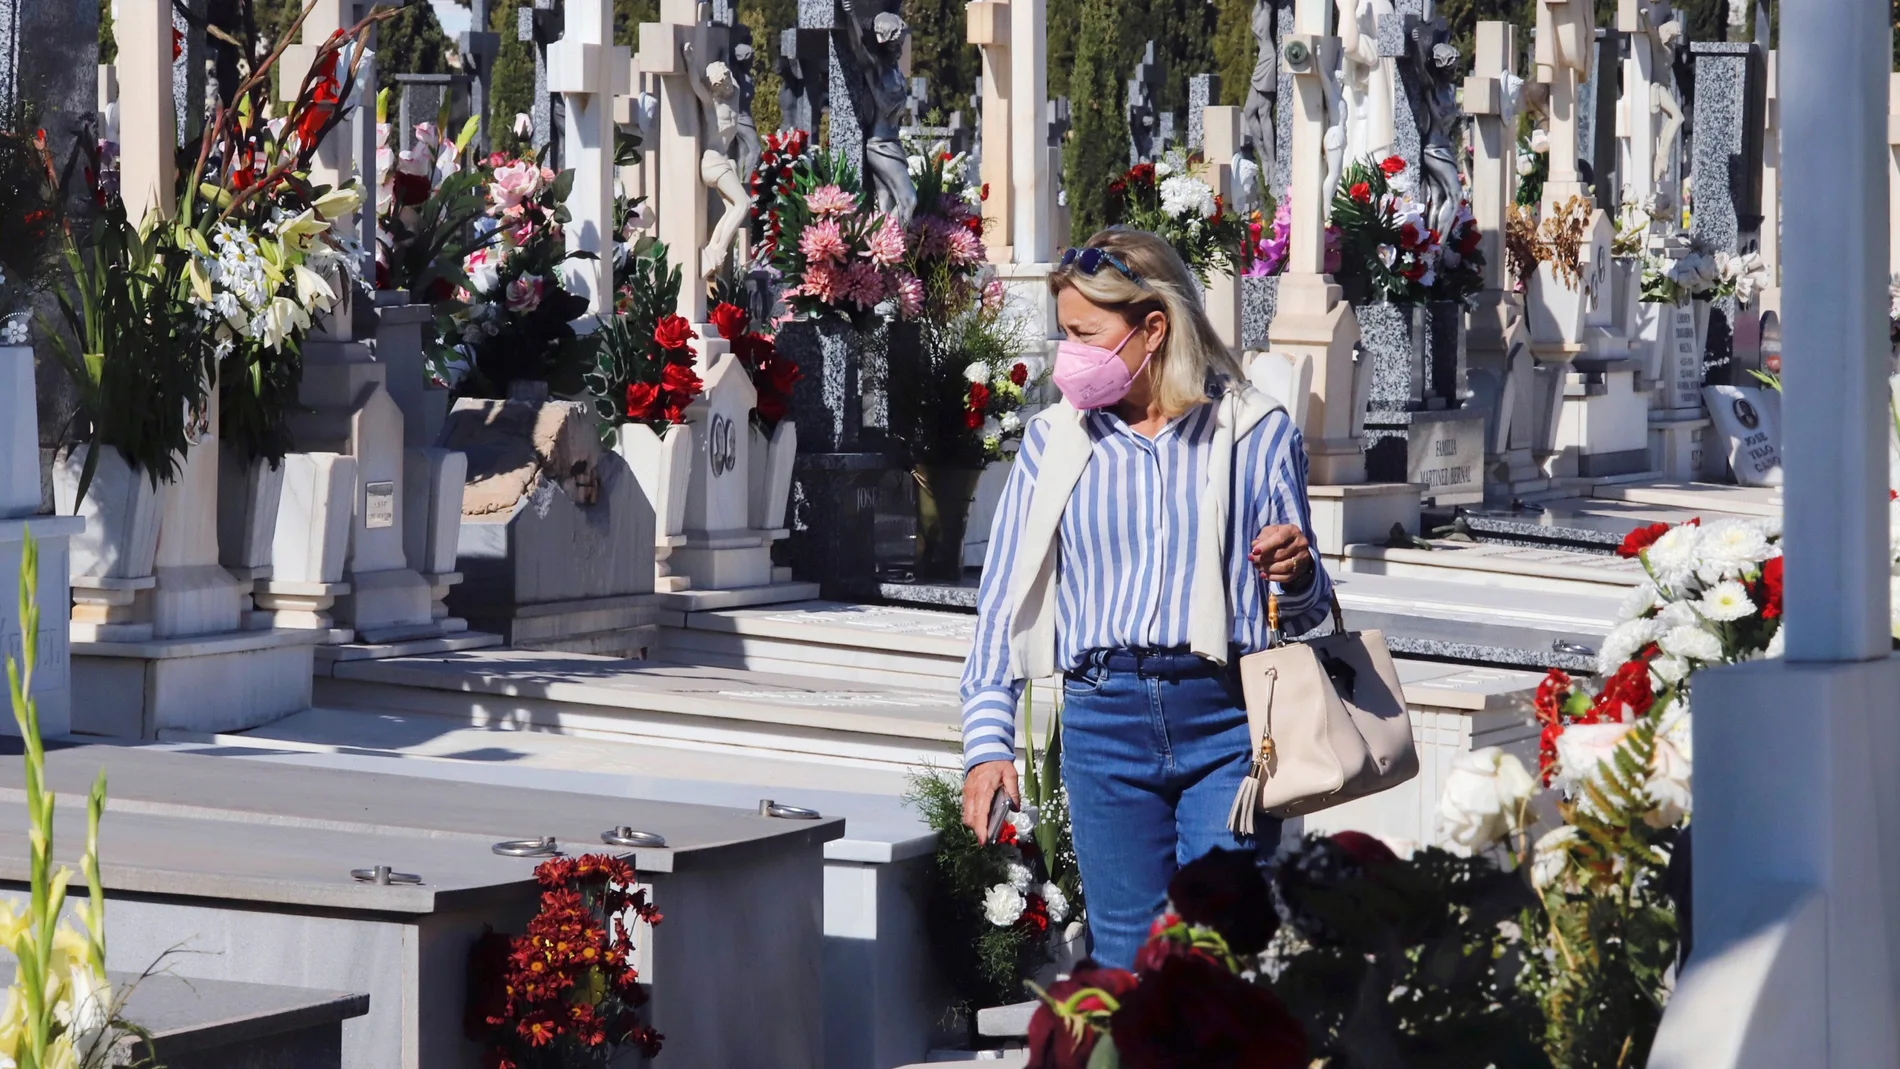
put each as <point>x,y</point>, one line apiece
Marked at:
<point>1090,376</point>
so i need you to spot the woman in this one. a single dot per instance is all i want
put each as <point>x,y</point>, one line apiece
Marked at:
<point>1144,523</point>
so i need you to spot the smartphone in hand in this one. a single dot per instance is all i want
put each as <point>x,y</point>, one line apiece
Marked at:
<point>999,812</point>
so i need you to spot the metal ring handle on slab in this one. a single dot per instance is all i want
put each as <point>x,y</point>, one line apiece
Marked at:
<point>542,847</point>
<point>769,808</point>
<point>382,875</point>
<point>1575,649</point>
<point>625,836</point>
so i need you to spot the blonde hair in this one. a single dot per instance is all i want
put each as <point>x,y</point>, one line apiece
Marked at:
<point>1191,351</point>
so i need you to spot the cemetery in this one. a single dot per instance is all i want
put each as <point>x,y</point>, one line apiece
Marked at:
<point>501,502</point>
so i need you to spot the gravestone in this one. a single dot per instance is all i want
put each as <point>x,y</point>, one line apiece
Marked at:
<point>1597,103</point>
<point>539,26</point>
<point>1396,32</point>
<point>840,462</point>
<point>422,97</point>
<point>1731,89</point>
<point>479,47</point>
<point>1144,120</point>
<point>1748,421</point>
<point>1418,429</point>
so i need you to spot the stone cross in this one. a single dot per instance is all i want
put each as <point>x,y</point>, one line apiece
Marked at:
<point>1056,196</point>
<point>1143,119</point>
<point>148,176</point>
<point>1222,140</point>
<point>1203,93</point>
<point>479,47</point>
<point>987,25</point>
<point>1566,39</point>
<point>334,163</point>
<point>1491,97</point>
<point>1031,171</point>
<point>539,26</point>
<point>681,211</point>
<point>918,102</point>
<point>589,71</point>
<point>1651,117</point>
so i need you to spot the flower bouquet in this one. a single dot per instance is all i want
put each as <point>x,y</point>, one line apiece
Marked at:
<point>30,229</point>
<point>838,256</point>
<point>773,185</point>
<point>773,375</point>
<point>1387,249</point>
<point>566,992</point>
<point>945,262</point>
<point>430,203</point>
<point>1172,200</point>
<point>1000,912</point>
<point>643,370</point>
<point>514,318</point>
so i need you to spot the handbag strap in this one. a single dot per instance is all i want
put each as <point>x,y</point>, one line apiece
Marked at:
<point>1274,638</point>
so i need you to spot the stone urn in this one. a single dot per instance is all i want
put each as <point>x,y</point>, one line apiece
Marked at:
<point>662,463</point>
<point>770,474</point>
<point>121,509</point>
<point>249,491</point>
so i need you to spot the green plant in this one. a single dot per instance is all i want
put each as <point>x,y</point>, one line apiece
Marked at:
<point>139,357</point>
<point>1097,147</point>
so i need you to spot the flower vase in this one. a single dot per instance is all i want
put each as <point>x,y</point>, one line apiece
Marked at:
<point>662,464</point>
<point>249,491</point>
<point>121,511</point>
<point>944,493</point>
<point>770,473</point>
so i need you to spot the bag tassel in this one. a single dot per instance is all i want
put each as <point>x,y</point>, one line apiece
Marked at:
<point>1240,819</point>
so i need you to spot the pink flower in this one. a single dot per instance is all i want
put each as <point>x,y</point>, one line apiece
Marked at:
<point>865,285</point>
<point>830,200</point>
<point>824,282</point>
<point>822,243</point>
<point>910,295</point>
<point>483,268</point>
<point>514,183</point>
<point>964,248</point>
<point>992,294</point>
<point>524,293</point>
<point>887,243</point>
<point>426,135</point>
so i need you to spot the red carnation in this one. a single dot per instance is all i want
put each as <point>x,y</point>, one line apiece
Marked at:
<point>979,397</point>
<point>1641,539</point>
<point>1019,374</point>
<point>730,319</point>
<point>1035,916</point>
<point>1392,164</point>
<point>973,419</point>
<point>1769,588</point>
<point>673,332</point>
<point>1361,192</point>
<point>643,399</point>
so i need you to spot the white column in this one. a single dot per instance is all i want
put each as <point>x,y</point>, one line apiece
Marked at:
<point>988,27</point>
<point>1834,295</point>
<point>679,197</point>
<point>587,68</point>
<point>148,177</point>
<point>1220,138</point>
<point>1029,129</point>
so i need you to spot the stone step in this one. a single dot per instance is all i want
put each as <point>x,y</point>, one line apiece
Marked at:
<point>1530,568</point>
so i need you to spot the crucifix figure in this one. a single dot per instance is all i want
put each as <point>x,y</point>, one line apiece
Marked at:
<point>718,93</point>
<point>1436,63</point>
<point>886,165</point>
<point>1256,116</point>
<point>750,147</point>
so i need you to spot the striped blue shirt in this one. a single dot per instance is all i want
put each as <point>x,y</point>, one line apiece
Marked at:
<point>1125,568</point>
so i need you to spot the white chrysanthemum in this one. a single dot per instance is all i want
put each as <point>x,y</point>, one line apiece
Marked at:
<point>1184,195</point>
<point>1622,643</point>
<point>1670,670</point>
<point>1672,558</point>
<point>1637,603</point>
<point>1691,644</point>
<point>977,373</point>
<point>1676,614</point>
<point>1057,902</point>
<point>1019,876</point>
<point>1002,905</point>
<point>1726,601</point>
<point>1728,548</point>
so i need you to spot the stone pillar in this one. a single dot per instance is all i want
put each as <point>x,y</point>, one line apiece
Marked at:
<point>680,211</point>
<point>479,47</point>
<point>1730,99</point>
<point>1770,300</point>
<point>148,176</point>
<point>1219,130</point>
<point>988,28</point>
<point>589,71</point>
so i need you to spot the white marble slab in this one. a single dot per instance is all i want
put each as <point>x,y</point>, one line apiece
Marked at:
<point>1498,564</point>
<point>1758,501</point>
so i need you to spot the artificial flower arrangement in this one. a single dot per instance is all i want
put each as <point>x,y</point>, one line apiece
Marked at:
<point>772,186</point>
<point>1388,249</point>
<point>1264,252</point>
<point>1172,200</point>
<point>61,1010</point>
<point>565,992</point>
<point>1695,274</point>
<point>836,255</point>
<point>944,259</point>
<point>30,231</point>
<point>270,252</point>
<point>999,913</point>
<point>643,369</point>
<point>1533,167</point>
<point>430,201</point>
<point>773,375</point>
<point>514,318</point>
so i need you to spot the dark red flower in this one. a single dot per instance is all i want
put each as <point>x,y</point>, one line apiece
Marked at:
<point>1769,589</point>
<point>1191,1014</point>
<point>673,332</point>
<point>1019,374</point>
<point>178,44</point>
<point>1006,835</point>
<point>984,193</point>
<point>1035,915</point>
<point>973,419</point>
<point>1224,890</point>
<point>1641,539</point>
<point>680,382</point>
<point>1392,165</point>
<point>439,290</point>
<point>730,319</point>
<point>1361,192</point>
<point>643,400</point>
<point>409,190</point>
<point>1053,1042</point>
<point>979,397</point>
<point>1369,851</point>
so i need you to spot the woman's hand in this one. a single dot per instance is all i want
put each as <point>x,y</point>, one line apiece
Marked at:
<point>1282,555</point>
<point>980,785</point>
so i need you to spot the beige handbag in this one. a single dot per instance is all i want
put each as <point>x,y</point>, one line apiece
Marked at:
<point>1327,723</point>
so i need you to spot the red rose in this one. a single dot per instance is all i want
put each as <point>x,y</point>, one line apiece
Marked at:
<point>730,319</point>
<point>979,398</point>
<point>1361,192</point>
<point>1019,374</point>
<point>673,332</point>
<point>1193,1013</point>
<point>1641,539</point>
<point>1224,890</point>
<point>1368,851</point>
<point>643,399</point>
<point>1053,1042</point>
<point>973,419</point>
<point>681,382</point>
<point>1392,165</point>
<point>1769,588</point>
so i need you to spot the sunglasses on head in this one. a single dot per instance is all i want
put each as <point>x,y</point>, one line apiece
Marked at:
<point>1091,260</point>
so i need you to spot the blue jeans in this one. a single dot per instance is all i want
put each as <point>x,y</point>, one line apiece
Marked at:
<point>1151,765</point>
